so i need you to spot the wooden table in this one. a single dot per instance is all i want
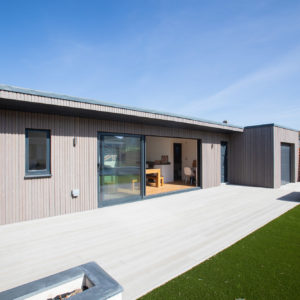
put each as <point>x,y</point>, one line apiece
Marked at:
<point>157,175</point>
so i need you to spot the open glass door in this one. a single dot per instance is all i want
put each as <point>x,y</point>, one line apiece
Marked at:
<point>119,168</point>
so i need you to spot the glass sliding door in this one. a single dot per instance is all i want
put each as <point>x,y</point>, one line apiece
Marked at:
<point>120,168</point>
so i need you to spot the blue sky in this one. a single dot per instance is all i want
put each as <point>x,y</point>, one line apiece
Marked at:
<point>218,60</point>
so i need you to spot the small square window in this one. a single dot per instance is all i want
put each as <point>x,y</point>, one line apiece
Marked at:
<point>37,152</point>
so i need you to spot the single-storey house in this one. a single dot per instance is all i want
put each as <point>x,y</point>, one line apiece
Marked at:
<point>62,154</point>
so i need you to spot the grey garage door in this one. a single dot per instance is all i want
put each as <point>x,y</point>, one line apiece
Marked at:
<point>285,163</point>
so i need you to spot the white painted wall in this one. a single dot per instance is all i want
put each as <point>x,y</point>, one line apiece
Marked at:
<point>158,146</point>
<point>189,152</point>
<point>155,148</point>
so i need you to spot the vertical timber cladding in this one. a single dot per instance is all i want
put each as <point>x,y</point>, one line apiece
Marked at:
<point>290,137</point>
<point>255,155</point>
<point>211,159</point>
<point>73,167</point>
<point>299,164</point>
<point>251,157</point>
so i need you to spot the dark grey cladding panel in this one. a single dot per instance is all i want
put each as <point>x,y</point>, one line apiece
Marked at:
<point>104,285</point>
<point>84,113</point>
<point>251,157</point>
<point>271,125</point>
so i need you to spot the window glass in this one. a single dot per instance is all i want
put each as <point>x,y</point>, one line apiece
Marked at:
<point>38,151</point>
<point>120,176</point>
<point>121,151</point>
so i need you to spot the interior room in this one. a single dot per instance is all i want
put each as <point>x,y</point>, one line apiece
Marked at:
<point>171,164</point>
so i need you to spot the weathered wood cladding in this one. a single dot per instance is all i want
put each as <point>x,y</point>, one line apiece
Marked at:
<point>251,157</point>
<point>73,167</point>
<point>282,135</point>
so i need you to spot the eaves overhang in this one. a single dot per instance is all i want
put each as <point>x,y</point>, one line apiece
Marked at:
<point>16,98</point>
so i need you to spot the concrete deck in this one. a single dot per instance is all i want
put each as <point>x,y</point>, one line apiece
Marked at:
<point>141,244</point>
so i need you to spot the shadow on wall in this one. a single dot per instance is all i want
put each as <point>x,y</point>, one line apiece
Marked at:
<point>15,122</point>
<point>292,197</point>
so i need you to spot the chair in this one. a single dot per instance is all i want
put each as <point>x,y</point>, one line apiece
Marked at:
<point>187,174</point>
<point>162,182</point>
<point>194,163</point>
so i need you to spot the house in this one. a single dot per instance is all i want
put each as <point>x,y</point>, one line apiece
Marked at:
<point>62,154</point>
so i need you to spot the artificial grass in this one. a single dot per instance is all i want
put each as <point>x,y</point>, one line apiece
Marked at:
<point>264,265</point>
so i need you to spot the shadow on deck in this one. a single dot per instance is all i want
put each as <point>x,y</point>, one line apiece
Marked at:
<point>292,197</point>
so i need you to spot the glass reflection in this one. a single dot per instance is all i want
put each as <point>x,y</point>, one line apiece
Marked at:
<point>121,170</point>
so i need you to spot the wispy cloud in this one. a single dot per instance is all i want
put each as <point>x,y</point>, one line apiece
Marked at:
<point>238,91</point>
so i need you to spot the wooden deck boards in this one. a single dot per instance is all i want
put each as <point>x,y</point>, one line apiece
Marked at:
<point>141,244</point>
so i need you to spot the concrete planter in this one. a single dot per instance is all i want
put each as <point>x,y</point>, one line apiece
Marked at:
<point>100,285</point>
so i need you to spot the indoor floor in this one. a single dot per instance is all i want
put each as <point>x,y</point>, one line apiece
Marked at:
<point>167,188</point>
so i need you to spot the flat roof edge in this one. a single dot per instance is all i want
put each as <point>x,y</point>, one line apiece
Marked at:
<point>15,89</point>
<point>271,125</point>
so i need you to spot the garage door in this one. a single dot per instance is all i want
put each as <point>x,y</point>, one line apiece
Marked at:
<point>285,163</point>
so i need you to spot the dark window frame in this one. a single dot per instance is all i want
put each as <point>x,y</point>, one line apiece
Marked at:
<point>100,136</point>
<point>226,168</point>
<point>38,173</point>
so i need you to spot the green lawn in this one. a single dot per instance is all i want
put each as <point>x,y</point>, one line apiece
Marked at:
<point>264,265</point>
